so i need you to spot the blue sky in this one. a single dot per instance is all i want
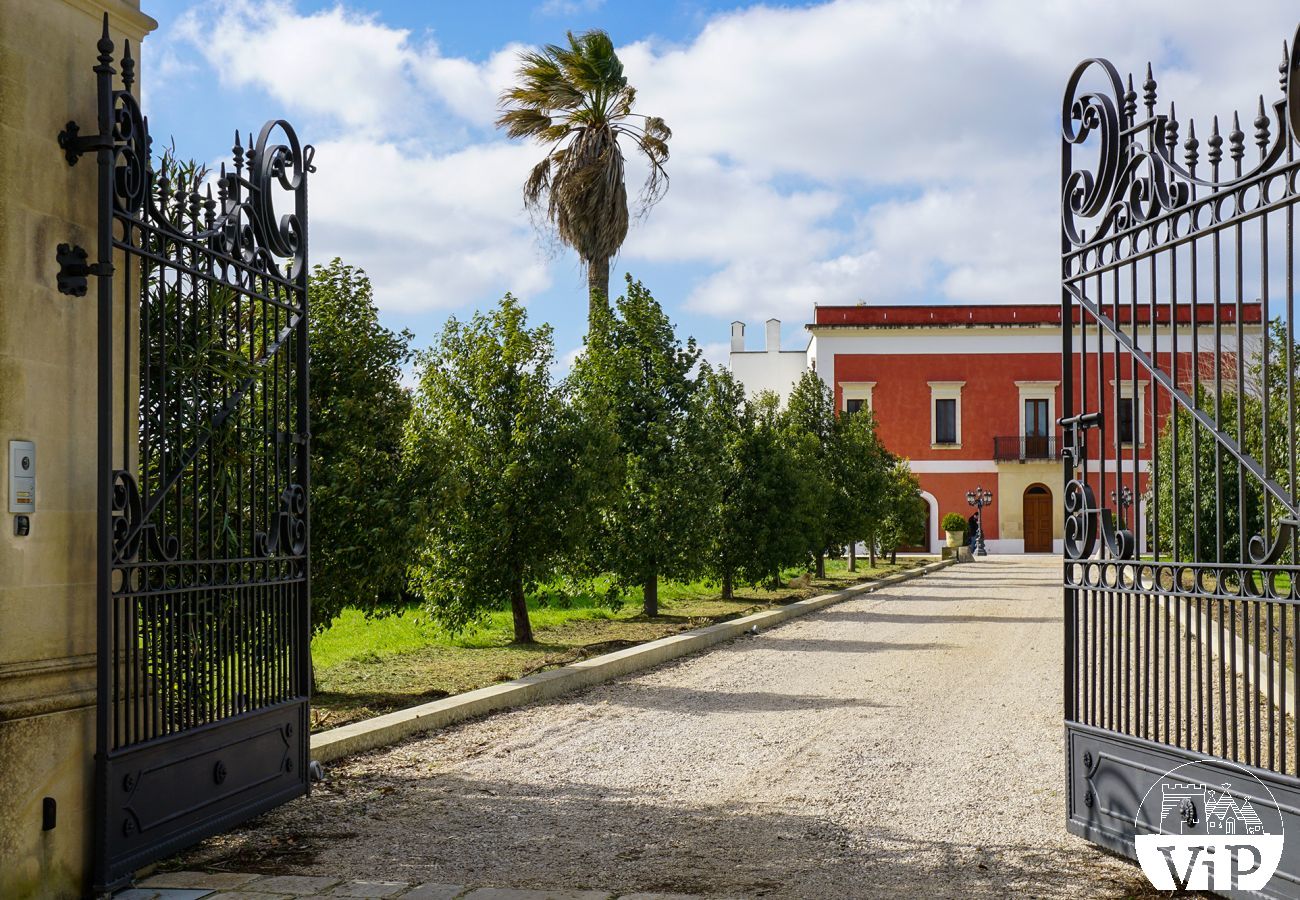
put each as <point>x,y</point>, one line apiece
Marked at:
<point>850,151</point>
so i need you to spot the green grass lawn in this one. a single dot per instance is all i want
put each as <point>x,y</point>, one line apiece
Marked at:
<point>365,667</point>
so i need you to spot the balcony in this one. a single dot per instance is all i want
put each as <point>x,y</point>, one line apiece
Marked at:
<point>1026,448</point>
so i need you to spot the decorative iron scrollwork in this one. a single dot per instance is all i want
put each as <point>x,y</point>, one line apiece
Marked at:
<point>1119,541</point>
<point>1263,553</point>
<point>289,528</point>
<point>1084,520</point>
<point>1136,176</point>
<point>1080,521</point>
<point>132,149</point>
<point>129,527</point>
<point>243,223</point>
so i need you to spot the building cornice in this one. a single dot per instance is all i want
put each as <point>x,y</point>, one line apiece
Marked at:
<point>123,15</point>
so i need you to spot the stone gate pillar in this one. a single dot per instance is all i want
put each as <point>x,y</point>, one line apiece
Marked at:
<point>47,396</point>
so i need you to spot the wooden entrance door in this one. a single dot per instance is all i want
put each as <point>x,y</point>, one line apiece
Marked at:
<point>1038,519</point>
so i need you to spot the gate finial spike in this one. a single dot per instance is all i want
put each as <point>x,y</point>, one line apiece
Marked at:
<point>128,66</point>
<point>1261,127</point>
<point>238,151</point>
<point>1284,67</point>
<point>1192,146</point>
<point>105,45</point>
<point>1171,129</point>
<point>1216,146</point>
<point>209,208</point>
<point>1236,141</point>
<point>1149,92</point>
<point>1130,101</point>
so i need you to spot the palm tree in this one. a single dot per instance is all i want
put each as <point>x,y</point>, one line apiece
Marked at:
<point>576,101</point>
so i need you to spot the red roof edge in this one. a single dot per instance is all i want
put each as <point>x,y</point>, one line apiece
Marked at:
<point>1019,314</point>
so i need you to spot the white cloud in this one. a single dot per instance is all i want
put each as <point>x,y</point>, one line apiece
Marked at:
<point>334,63</point>
<point>878,150</point>
<point>434,232</point>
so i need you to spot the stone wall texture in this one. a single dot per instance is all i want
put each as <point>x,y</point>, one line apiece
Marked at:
<point>47,395</point>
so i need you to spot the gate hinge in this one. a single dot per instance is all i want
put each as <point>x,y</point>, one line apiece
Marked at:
<point>73,269</point>
<point>74,143</point>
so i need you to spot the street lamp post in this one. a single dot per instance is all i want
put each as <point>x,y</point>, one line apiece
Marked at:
<point>1122,499</point>
<point>979,498</point>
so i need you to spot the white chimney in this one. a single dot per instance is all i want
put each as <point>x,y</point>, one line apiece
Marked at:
<point>737,337</point>
<point>773,335</point>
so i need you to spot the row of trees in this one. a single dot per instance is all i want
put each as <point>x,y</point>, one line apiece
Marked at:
<point>645,463</point>
<point>1217,517</point>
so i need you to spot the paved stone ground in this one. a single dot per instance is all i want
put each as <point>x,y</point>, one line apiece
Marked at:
<point>185,885</point>
<point>905,743</point>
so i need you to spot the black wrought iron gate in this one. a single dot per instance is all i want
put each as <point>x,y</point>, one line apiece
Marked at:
<point>1180,364</point>
<point>203,582</point>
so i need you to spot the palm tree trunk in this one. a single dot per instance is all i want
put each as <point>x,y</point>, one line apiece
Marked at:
<point>853,556</point>
<point>597,287</point>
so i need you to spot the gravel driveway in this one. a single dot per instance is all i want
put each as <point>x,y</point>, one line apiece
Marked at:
<point>907,742</point>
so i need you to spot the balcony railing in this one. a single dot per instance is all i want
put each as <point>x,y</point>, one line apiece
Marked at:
<point>1025,447</point>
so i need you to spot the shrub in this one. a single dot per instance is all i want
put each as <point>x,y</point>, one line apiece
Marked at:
<point>954,522</point>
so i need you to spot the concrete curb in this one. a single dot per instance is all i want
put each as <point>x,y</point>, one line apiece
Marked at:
<point>327,746</point>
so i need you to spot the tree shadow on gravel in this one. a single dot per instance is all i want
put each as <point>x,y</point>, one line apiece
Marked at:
<point>869,618</point>
<point>842,645</point>
<point>709,703</point>
<point>454,829</point>
<point>965,593</point>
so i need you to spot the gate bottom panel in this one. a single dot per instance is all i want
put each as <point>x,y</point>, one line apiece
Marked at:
<point>1110,774</point>
<point>174,791</point>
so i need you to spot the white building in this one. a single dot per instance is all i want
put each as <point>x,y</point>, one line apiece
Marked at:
<point>769,369</point>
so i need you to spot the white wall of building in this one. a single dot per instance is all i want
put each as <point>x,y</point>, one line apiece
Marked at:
<point>769,369</point>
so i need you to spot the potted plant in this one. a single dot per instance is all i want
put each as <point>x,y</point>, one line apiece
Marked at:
<point>954,526</point>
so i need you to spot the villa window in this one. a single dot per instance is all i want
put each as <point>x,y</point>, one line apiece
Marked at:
<point>856,395</point>
<point>1124,416</point>
<point>1129,406</point>
<point>945,414</point>
<point>945,421</point>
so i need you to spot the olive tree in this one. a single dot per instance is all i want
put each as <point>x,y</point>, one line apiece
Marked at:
<point>365,515</point>
<point>489,414</point>
<point>634,384</point>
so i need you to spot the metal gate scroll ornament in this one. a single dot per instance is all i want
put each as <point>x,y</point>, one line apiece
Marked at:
<point>203,584</point>
<point>1179,399</point>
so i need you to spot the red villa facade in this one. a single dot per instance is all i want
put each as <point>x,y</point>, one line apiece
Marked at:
<point>971,396</point>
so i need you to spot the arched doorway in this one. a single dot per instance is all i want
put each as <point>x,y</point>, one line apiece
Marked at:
<point>926,536</point>
<point>1038,519</point>
<point>933,537</point>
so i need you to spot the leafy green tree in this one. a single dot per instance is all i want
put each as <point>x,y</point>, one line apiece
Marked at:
<point>634,384</point>
<point>365,515</point>
<point>488,412</point>
<point>903,521</point>
<point>1210,516</point>
<point>576,102</point>
<point>810,416</point>
<point>774,509</point>
<point>859,471</point>
<point>726,420</point>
